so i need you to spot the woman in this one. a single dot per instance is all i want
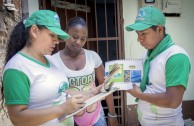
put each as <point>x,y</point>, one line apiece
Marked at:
<point>81,66</point>
<point>31,83</point>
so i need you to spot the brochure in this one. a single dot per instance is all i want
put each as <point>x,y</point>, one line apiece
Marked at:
<point>130,72</point>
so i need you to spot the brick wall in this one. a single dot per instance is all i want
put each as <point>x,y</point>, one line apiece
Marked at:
<point>7,24</point>
<point>2,50</point>
<point>8,20</point>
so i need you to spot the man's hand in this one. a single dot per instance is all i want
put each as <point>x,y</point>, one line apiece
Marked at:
<point>136,91</point>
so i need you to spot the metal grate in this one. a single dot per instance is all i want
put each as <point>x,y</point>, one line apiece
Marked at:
<point>105,26</point>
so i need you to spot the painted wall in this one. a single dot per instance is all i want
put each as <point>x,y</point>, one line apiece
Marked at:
<point>180,29</point>
<point>33,6</point>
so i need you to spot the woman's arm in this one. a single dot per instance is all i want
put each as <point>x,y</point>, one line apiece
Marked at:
<point>109,99</point>
<point>20,115</point>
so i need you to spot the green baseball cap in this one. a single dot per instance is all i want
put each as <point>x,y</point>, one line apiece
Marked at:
<point>49,19</point>
<point>146,18</point>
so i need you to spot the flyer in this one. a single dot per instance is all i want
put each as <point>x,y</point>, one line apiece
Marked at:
<point>130,72</point>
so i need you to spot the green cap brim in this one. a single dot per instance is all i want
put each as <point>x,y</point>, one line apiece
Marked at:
<point>138,27</point>
<point>61,34</point>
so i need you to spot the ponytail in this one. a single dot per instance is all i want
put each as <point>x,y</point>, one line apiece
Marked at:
<point>17,41</point>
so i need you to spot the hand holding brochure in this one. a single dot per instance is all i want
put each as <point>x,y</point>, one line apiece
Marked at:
<point>129,72</point>
<point>107,84</point>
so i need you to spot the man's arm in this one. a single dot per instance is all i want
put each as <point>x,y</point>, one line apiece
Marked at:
<point>172,98</point>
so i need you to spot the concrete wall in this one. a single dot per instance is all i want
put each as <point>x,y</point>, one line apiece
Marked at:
<point>33,5</point>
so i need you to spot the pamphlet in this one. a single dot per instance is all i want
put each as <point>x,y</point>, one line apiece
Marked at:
<point>130,72</point>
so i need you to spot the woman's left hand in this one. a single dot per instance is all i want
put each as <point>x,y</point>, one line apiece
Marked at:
<point>112,121</point>
<point>96,90</point>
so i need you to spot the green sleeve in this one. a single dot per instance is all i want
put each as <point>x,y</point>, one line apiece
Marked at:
<point>177,70</point>
<point>16,87</point>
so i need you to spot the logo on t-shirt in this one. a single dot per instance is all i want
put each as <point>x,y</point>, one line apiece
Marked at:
<point>63,87</point>
<point>80,82</point>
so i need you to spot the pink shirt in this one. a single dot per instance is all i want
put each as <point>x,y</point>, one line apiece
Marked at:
<point>89,118</point>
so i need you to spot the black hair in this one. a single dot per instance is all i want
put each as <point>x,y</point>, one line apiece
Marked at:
<point>76,21</point>
<point>155,27</point>
<point>17,41</point>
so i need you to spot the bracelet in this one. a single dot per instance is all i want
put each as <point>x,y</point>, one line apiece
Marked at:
<point>113,116</point>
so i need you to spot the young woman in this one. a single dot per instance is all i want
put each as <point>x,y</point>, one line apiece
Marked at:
<point>34,90</point>
<point>82,66</point>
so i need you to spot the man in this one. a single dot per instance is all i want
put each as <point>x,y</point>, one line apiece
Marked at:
<point>166,72</point>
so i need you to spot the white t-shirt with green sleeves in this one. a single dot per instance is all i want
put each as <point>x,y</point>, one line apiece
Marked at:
<point>170,68</point>
<point>29,82</point>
